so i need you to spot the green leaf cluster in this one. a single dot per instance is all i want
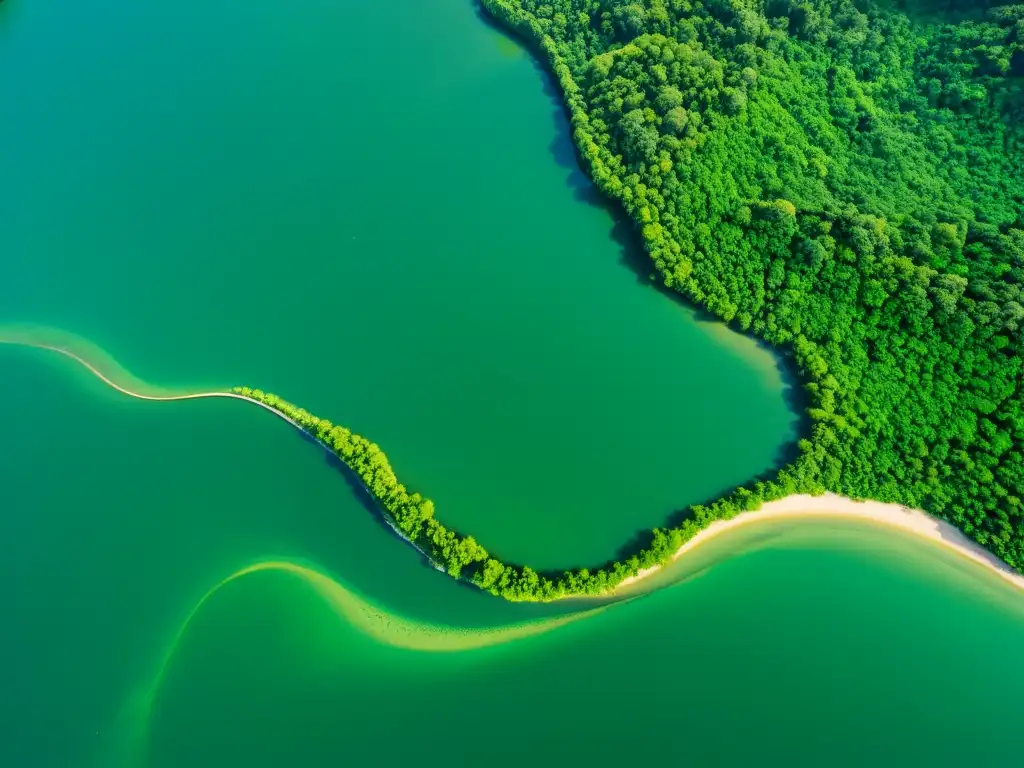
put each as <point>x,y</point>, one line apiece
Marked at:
<point>845,179</point>
<point>842,178</point>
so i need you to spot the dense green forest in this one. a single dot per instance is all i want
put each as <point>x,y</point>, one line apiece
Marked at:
<point>460,555</point>
<point>843,178</point>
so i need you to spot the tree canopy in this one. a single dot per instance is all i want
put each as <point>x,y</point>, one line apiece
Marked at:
<point>842,178</point>
<point>845,179</point>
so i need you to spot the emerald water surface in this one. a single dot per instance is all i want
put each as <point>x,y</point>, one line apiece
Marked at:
<point>373,209</point>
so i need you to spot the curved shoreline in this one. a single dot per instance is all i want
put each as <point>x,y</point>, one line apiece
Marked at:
<point>200,396</point>
<point>913,521</point>
<point>831,505</point>
<point>138,395</point>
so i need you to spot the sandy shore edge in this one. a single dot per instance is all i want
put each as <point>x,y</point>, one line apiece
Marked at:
<point>230,395</point>
<point>831,505</point>
<point>913,521</point>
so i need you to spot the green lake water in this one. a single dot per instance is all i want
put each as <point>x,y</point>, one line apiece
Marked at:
<point>374,210</point>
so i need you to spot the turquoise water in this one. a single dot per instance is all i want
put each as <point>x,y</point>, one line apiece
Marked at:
<point>383,227</point>
<point>373,209</point>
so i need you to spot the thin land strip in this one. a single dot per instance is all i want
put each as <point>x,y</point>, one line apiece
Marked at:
<point>910,520</point>
<point>802,505</point>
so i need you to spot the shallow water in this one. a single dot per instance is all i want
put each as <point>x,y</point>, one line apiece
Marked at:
<point>373,209</point>
<point>823,642</point>
<point>789,655</point>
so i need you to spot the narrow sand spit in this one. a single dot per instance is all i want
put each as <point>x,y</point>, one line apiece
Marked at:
<point>799,505</point>
<point>830,505</point>
<point>158,398</point>
<point>232,395</point>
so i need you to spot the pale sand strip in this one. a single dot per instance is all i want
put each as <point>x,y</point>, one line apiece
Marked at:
<point>830,505</point>
<point>234,396</point>
<point>800,505</point>
<point>160,398</point>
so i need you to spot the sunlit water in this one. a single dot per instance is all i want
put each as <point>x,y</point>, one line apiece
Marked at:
<point>374,210</point>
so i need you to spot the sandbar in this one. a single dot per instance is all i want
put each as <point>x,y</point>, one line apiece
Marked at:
<point>913,521</point>
<point>832,505</point>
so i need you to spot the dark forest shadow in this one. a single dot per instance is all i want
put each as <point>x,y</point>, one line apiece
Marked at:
<point>563,149</point>
<point>1017,64</point>
<point>634,257</point>
<point>360,492</point>
<point>637,261</point>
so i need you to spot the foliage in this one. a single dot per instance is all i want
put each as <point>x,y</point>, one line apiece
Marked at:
<point>413,516</point>
<point>843,178</point>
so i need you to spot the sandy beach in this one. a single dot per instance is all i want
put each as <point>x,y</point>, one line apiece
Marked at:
<point>801,505</point>
<point>830,505</point>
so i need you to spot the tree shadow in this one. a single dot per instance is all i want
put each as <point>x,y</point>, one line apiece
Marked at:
<point>360,492</point>
<point>1017,64</point>
<point>486,18</point>
<point>795,397</point>
<point>634,257</point>
<point>563,149</point>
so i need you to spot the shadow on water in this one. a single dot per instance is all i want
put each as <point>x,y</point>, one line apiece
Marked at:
<point>634,257</point>
<point>564,152</point>
<point>796,401</point>
<point>640,540</point>
<point>373,510</point>
<point>359,491</point>
<point>637,261</point>
<point>562,148</point>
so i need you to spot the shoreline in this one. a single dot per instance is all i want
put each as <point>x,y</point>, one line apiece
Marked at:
<point>234,396</point>
<point>912,521</point>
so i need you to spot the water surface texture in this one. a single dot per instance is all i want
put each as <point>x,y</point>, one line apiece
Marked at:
<point>374,210</point>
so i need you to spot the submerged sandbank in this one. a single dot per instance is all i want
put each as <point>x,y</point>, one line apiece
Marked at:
<point>913,521</point>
